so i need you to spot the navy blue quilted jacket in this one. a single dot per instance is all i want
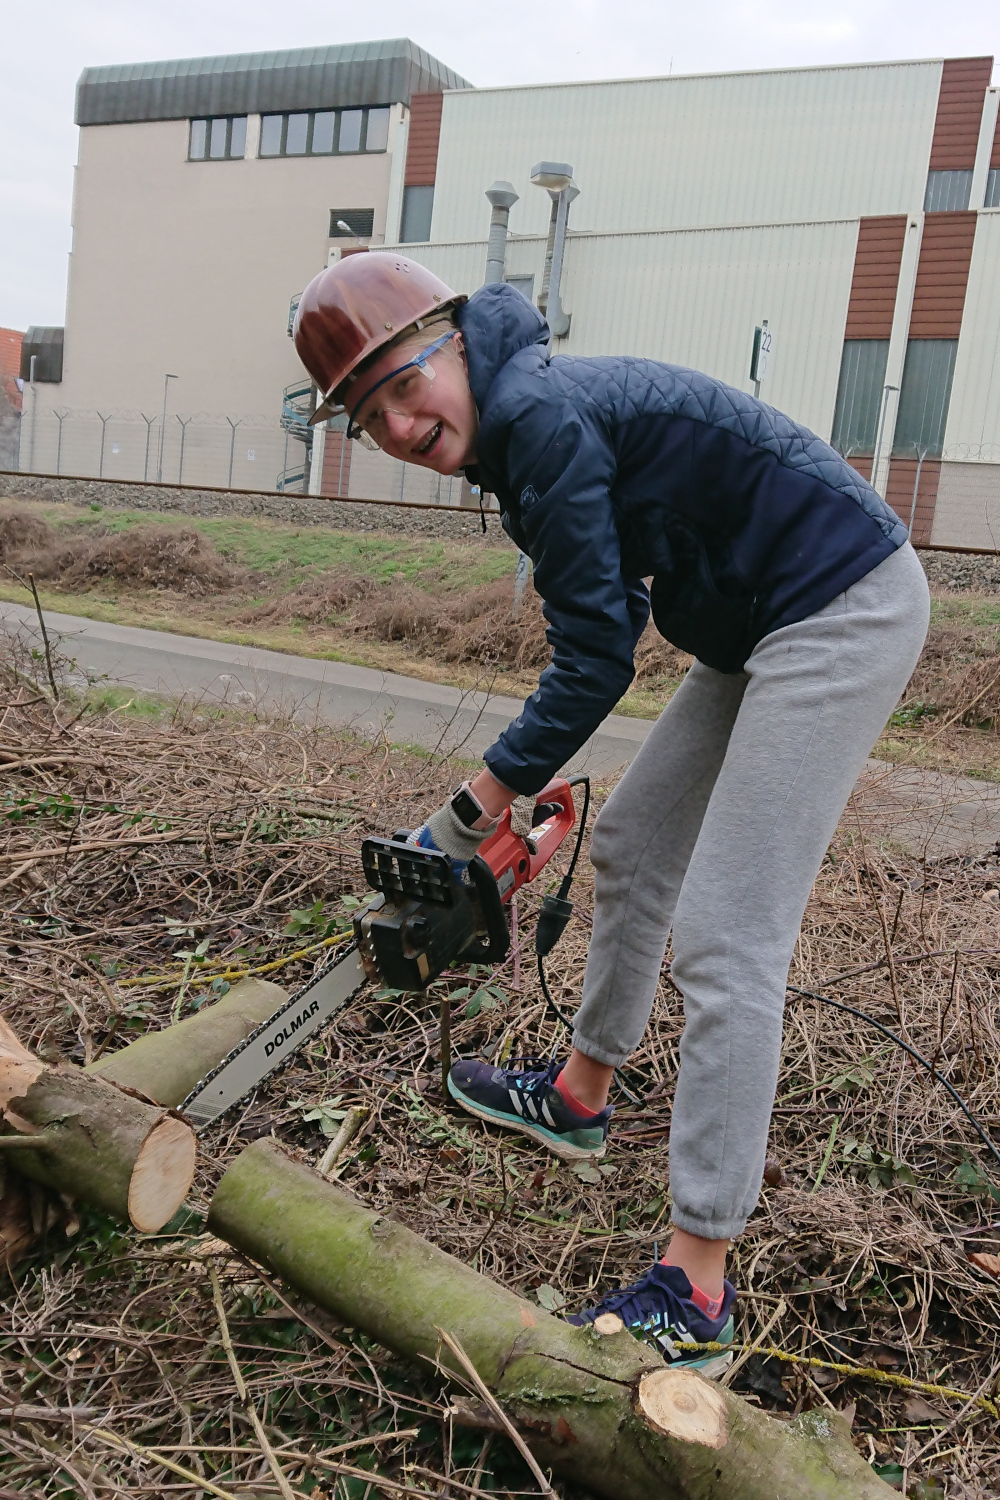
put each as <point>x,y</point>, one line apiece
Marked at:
<point>609,471</point>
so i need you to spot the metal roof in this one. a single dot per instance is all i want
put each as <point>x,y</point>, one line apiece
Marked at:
<point>385,72</point>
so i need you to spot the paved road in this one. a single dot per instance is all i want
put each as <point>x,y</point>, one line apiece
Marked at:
<point>923,811</point>
<point>366,701</point>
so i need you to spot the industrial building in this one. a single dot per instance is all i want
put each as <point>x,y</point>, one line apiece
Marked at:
<point>852,212</point>
<point>207,193</point>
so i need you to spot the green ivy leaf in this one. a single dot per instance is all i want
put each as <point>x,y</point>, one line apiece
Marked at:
<point>550,1297</point>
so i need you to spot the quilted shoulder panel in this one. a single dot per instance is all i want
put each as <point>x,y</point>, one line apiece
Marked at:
<point>638,387</point>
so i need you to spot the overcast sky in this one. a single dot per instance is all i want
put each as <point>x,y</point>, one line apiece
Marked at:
<point>46,44</point>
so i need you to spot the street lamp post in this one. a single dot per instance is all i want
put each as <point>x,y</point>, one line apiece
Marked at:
<point>556,177</point>
<point>34,412</point>
<point>163,428</point>
<point>881,433</point>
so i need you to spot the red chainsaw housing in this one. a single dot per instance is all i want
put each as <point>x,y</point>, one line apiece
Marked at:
<point>515,861</point>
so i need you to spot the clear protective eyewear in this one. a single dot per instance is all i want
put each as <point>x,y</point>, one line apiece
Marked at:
<point>405,399</point>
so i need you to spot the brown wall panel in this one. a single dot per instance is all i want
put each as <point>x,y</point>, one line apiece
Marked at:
<point>422,143</point>
<point>964,81</point>
<point>899,494</point>
<point>942,275</point>
<point>862,464</point>
<point>876,276</point>
<point>336,480</point>
<point>995,158</point>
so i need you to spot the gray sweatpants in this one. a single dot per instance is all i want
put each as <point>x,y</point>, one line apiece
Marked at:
<point>718,829</point>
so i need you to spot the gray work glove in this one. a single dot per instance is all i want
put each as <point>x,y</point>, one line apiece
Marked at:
<point>445,831</point>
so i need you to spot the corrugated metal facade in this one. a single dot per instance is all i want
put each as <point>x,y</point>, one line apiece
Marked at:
<point>876,276</point>
<point>693,298</point>
<point>964,81</point>
<point>422,141</point>
<point>675,152</point>
<point>973,430</point>
<point>386,72</point>
<point>942,275</point>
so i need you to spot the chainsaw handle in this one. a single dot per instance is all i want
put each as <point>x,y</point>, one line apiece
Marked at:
<point>514,861</point>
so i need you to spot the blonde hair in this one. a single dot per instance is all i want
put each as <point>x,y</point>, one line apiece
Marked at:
<point>415,336</point>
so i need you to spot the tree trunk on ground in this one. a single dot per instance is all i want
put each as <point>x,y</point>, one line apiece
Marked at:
<point>94,1141</point>
<point>162,1065</point>
<point>166,1065</point>
<point>602,1410</point>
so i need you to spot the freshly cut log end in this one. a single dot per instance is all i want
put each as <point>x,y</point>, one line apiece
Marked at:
<point>91,1138</point>
<point>682,1404</point>
<point>162,1175</point>
<point>607,1325</point>
<point>601,1411</point>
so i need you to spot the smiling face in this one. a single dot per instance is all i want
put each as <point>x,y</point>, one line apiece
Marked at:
<point>420,420</point>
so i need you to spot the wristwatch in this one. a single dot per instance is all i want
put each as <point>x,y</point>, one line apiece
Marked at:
<point>466,806</point>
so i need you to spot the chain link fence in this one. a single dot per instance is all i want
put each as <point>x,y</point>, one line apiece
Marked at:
<point>203,450</point>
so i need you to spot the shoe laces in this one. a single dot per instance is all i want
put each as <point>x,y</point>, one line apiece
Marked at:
<point>529,1075</point>
<point>648,1296</point>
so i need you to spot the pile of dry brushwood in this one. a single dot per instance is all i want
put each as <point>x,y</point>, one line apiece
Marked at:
<point>395,1325</point>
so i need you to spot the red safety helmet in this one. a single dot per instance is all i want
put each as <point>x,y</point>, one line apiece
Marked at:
<point>355,306</point>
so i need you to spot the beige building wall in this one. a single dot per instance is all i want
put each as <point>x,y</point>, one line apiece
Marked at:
<point>188,267</point>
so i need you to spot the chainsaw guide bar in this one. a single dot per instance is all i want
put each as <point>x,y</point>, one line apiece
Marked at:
<point>275,1040</point>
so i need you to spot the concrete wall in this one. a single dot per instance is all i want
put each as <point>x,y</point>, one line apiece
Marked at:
<point>188,267</point>
<point>968,506</point>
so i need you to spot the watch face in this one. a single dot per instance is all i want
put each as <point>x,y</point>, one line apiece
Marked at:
<point>467,809</point>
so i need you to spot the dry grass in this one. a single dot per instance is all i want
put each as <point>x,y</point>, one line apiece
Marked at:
<point>866,1237</point>
<point>473,627</point>
<point>435,612</point>
<point>150,557</point>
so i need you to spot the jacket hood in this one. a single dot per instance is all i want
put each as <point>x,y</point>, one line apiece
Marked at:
<point>496,322</point>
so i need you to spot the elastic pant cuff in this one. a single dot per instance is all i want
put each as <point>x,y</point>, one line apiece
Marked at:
<point>707,1229</point>
<point>597,1053</point>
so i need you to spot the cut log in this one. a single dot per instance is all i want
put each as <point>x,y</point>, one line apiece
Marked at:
<point>94,1142</point>
<point>595,1405</point>
<point>166,1065</point>
<point>162,1065</point>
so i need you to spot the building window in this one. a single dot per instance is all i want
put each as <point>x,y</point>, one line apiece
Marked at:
<point>325,132</point>
<point>418,205</point>
<point>993,188</point>
<point>223,138</point>
<point>352,223</point>
<point>947,191</point>
<point>859,395</point>
<point>523,284</point>
<point>923,400</point>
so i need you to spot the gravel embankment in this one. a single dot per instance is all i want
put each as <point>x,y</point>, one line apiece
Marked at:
<point>962,570</point>
<point>947,570</point>
<point>298,510</point>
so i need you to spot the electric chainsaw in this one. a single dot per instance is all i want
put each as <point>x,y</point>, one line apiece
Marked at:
<point>424,917</point>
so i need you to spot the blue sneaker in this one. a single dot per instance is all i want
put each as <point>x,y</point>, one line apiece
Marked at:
<point>659,1311</point>
<point>528,1101</point>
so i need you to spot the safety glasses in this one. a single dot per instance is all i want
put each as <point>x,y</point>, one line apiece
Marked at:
<point>405,396</point>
